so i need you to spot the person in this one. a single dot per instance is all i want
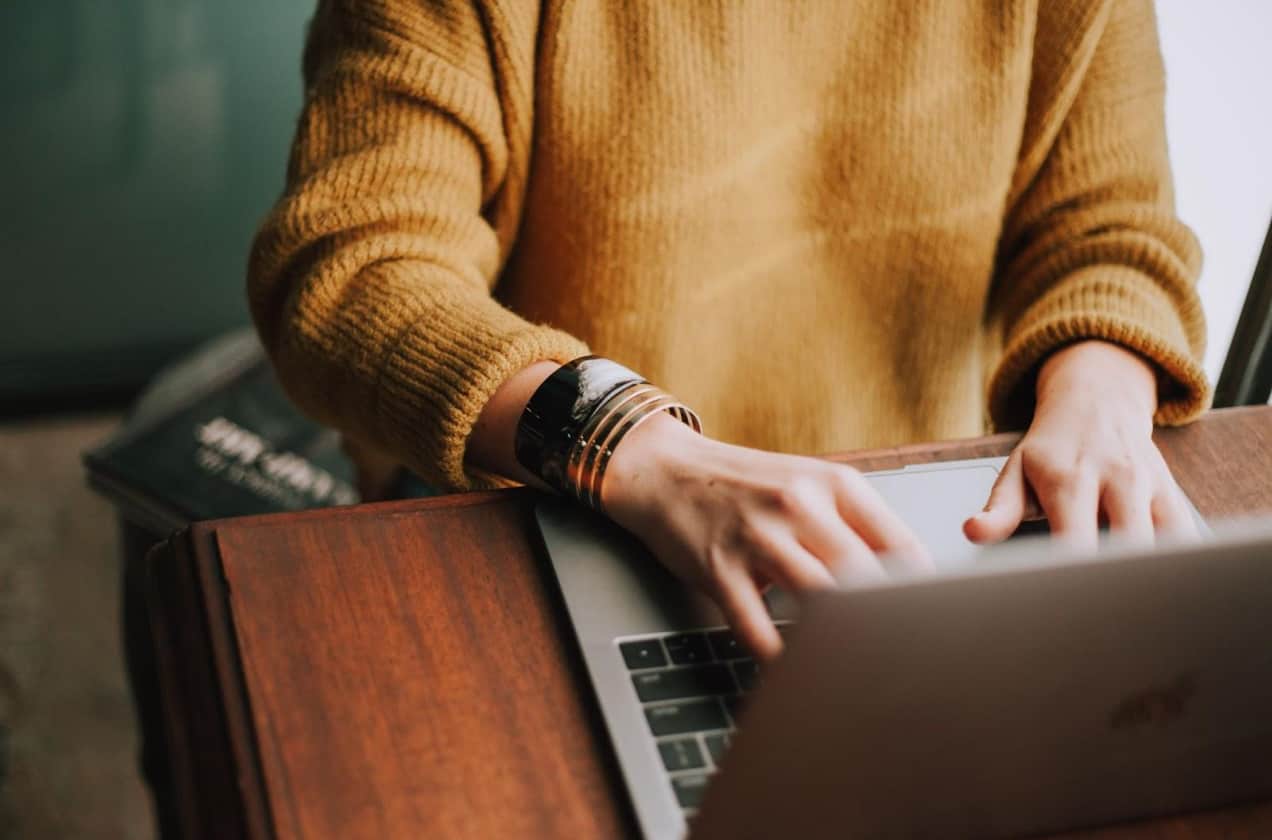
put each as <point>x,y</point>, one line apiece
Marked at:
<point>820,225</point>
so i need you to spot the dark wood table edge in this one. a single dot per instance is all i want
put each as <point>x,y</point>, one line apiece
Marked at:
<point>206,706</point>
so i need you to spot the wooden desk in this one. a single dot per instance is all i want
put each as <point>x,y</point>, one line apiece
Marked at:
<point>406,670</point>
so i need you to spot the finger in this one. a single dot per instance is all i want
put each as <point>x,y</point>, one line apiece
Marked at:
<point>825,535</point>
<point>1072,507</point>
<point>747,614</point>
<point>1172,515</point>
<point>876,524</point>
<point>1005,508</point>
<point>852,558</point>
<point>869,570</point>
<point>794,567</point>
<point>1129,511</point>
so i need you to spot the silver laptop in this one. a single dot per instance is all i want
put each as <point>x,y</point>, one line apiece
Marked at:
<point>1014,691</point>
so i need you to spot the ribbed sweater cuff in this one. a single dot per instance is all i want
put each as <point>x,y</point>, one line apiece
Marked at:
<point>443,370</point>
<point>1115,304</point>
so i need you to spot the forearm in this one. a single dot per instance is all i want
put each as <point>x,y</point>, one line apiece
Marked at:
<point>1091,247</point>
<point>370,280</point>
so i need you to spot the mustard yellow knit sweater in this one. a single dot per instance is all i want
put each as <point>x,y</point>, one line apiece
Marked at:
<point>824,225</point>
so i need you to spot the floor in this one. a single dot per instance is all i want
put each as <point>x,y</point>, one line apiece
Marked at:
<point>67,735</point>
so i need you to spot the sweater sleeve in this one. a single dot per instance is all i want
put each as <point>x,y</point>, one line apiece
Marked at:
<point>370,281</point>
<point>1091,247</point>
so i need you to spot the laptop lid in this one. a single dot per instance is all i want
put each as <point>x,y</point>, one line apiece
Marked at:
<point>1027,695</point>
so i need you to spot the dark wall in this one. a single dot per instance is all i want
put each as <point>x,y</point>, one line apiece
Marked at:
<point>142,141</point>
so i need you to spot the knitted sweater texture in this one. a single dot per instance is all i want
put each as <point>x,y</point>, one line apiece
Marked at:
<point>823,225</point>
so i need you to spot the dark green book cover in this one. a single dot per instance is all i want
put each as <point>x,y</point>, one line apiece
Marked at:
<point>220,440</point>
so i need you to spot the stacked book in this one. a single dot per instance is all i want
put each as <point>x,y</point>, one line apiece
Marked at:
<point>213,437</point>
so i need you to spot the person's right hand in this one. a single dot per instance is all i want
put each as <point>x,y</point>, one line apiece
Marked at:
<point>731,520</point>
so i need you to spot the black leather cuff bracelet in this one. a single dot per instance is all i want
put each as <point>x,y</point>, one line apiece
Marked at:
<point>556,413</point>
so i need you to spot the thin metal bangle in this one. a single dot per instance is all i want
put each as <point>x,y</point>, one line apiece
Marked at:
<point>630,426</point>
<point>617,425</point>
<point>587,438</point>
<point>591,479</point>
<point>584,451</point>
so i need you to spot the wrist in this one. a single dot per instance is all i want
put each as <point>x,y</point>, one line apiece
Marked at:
<point>1098,370</point>
<point>647,460</point>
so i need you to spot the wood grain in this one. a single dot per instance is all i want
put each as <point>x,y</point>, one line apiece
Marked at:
<point>405,670</point>
<point>414,685</point>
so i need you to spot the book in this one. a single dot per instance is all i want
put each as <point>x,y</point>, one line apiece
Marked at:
<point>215,436</point>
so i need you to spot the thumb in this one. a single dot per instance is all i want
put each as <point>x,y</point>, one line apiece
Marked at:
<point>1005,508</point>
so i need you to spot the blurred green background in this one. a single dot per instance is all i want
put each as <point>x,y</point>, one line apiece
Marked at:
<point>142,142</point>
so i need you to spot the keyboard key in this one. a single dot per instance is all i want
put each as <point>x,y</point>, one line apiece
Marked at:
<point>688,648</point>
<point>681,754</point>
<point>646,653</point>
<point>690,789</point>
<point>677,683</point>
<point>725,645</point>
<point>717,743</point>
<point>734,705</point>
<point>690,716</point>
<point>746,671</point>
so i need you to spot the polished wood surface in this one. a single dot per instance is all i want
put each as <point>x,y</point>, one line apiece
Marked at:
<point>406,670</point>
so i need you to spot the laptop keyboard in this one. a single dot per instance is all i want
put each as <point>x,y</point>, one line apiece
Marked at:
<point>691,687</point>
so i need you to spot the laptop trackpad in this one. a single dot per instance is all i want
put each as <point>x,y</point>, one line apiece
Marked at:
<point>935,500</point>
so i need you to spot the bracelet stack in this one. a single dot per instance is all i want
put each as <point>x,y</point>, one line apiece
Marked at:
<point>577,418</point>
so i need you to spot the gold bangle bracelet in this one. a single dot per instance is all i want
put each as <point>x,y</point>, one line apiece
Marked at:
<point>617,426</point>
<point>610,423</point>
<point>596,429</point>
<point>631,423</point>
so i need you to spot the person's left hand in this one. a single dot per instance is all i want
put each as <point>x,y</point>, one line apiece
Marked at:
<point>1088,456</point>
